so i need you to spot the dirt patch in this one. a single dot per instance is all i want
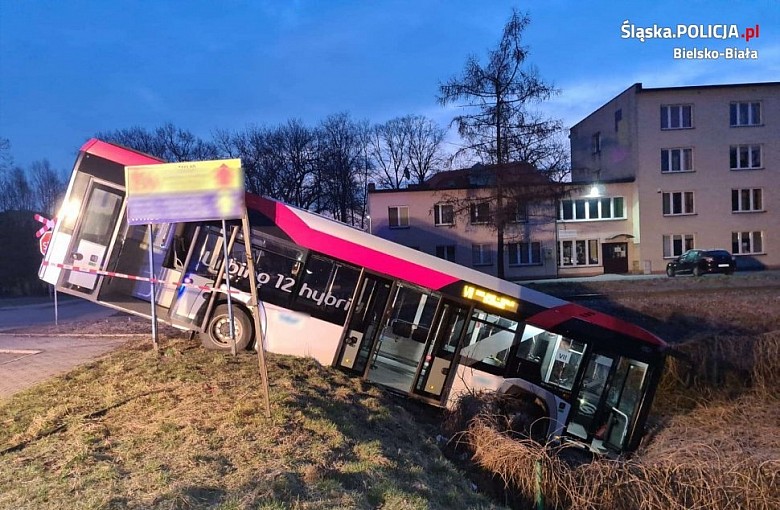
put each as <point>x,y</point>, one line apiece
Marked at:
<point>119,324</point>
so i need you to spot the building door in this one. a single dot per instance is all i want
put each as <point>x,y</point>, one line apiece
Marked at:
<point>615,257</point>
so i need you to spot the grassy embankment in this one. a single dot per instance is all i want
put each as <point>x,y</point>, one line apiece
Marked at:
<point>187,431</point>
<point>717,445</point>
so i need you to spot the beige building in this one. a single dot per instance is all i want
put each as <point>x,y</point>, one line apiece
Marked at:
<point>447,217</point>
<point>597,226</point>
<point>697,166</point>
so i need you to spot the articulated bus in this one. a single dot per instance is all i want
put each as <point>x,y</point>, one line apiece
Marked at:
<point>389,314</point>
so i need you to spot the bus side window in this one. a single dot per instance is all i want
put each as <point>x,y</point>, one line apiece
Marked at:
<point>565,364</point>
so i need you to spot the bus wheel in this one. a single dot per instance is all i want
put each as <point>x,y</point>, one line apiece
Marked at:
<point>217,334</point>
<point>528,420</point>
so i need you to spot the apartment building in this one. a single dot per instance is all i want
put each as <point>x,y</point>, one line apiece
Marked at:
<point>450,216</point>
<point>697,166</point>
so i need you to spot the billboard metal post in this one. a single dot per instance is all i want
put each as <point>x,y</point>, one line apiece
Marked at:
<point>56,310</point>
<point>152,296</point>
<point>254,304</point>
<point>226,274</point>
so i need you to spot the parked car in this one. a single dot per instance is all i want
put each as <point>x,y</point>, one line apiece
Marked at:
<point>699,262</point>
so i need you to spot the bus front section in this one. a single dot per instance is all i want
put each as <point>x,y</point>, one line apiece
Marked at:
<point>594,376</point>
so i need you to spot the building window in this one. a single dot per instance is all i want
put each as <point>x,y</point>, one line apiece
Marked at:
<point>745,156</point>
<point>446,252</point>
<point>517,212</point>
<point>677,244</point>
<point>592,209</point>
<point>480,213</point>
<point>481,255</point>
<point>678,202</point>
<point>676,116</point>
<point>583,252</point>
<point>443,214</point>
<point>398,216</point>
<point>525,254</point>
<point>745,114</point>
<point>743,243</point>
<point>677,160</point>
<point>595,143</point>
<point>747,200</point>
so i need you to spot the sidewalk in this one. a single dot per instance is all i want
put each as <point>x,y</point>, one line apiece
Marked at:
<point>26,361</point>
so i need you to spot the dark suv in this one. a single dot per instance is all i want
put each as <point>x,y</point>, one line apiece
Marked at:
<point>698,262</point>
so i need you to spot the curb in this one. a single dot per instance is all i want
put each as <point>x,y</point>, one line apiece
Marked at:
<point>74,335</point>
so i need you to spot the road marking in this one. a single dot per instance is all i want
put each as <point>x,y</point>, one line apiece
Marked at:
<point>19,351</point>
<point>15,354</point>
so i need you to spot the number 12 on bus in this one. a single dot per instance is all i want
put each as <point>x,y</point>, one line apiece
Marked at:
<point>392,315</point>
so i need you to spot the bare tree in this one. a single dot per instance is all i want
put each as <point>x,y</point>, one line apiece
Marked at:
<point>389,151</point>
<point>405,149</point>
<point>15,191</point>
<point>298,145</point>
<point>47,186</point>
<point>425,148</point>
<point>167,142</point>
<point>340,167</point>
<point>278,162</point>
<point>136,138</point>
<point>6,159</point>
<point>499,125</point>
<point>181,145</point>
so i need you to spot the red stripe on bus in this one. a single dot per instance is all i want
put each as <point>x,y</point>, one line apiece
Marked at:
<point>117,154</point>
<point>301,233</point>
<point>551,318</point>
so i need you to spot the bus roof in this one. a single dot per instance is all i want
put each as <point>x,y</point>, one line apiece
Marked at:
<point>346,243</point>
<point>550,319</point>
<point>381,255</point>
<point>118,154</point>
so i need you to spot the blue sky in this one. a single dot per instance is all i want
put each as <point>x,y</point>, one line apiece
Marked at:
<point>71,69</point>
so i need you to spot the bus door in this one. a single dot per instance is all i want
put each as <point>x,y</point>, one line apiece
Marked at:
<point>365,320</point>
<point>130,255</point>
<point>441,349</point>
<point>623,401</point>
<point>609,396</point>
<point>403,337</point>
<point>92,235</point>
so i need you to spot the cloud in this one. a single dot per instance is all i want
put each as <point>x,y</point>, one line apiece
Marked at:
<point>579,99</point>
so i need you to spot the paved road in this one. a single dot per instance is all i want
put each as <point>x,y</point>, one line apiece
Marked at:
<point>16,314</point>
<point>28,360</point>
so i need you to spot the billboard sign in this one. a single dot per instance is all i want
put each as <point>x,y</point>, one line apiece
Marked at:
<point>187,191</point>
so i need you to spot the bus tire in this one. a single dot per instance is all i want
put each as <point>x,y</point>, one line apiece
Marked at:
<point>526,418</point>
<point>217,334</point>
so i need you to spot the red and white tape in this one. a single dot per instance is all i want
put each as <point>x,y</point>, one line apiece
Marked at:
<point>155,281</point>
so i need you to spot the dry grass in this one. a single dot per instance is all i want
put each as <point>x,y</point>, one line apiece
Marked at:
<point>718,442</point>
<point>187,431</point>
<point>678,480</point>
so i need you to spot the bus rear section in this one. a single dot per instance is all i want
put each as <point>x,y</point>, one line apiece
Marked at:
<point>91,237</point>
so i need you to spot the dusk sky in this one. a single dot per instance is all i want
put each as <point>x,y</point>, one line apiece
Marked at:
<point>69,69</point>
